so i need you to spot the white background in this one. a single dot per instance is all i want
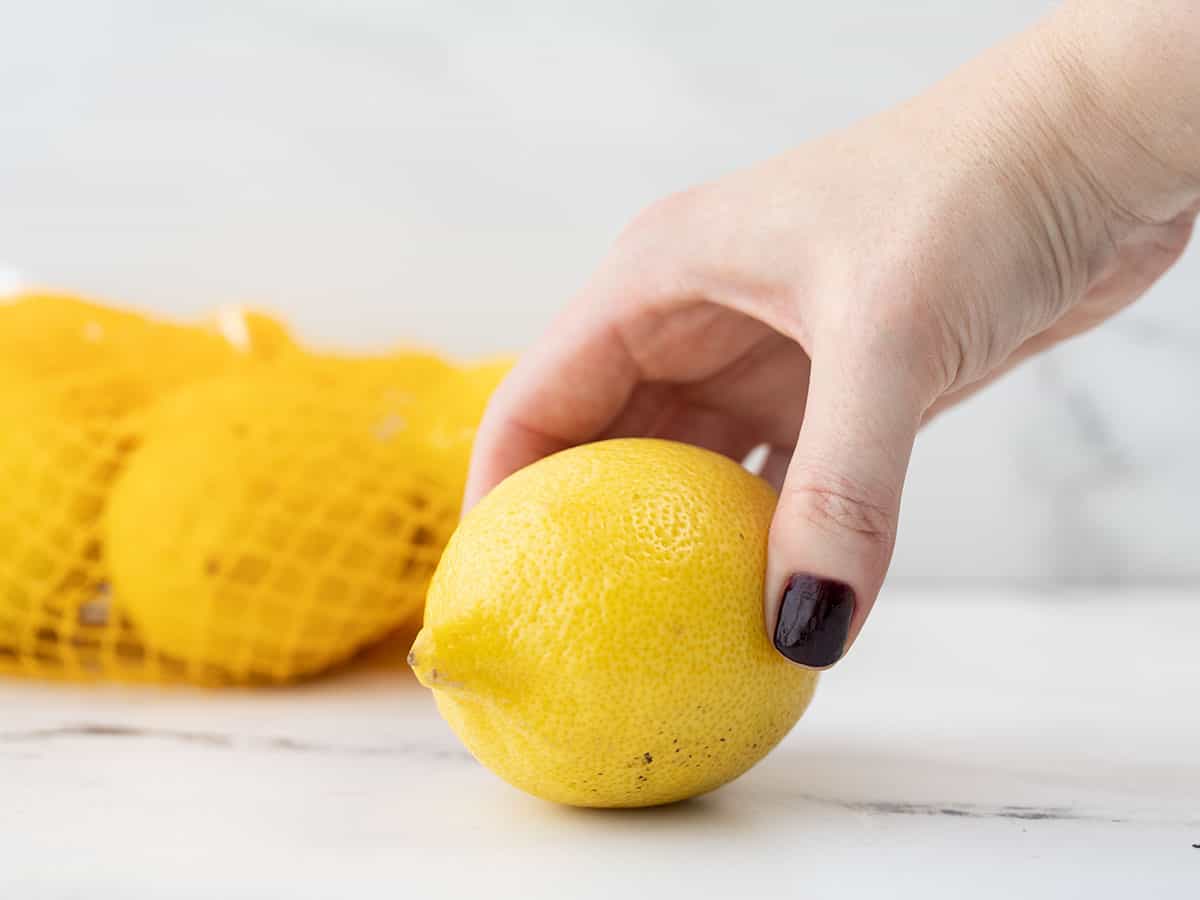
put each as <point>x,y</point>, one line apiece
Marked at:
<point>381,170</point>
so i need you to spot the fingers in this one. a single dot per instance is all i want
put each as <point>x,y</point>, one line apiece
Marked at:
<point>563,392</point>
<point>713,430</point>
<point>834,528</point>
<point>577,378</point>
<point>528,420</point>
<point>661,410</point>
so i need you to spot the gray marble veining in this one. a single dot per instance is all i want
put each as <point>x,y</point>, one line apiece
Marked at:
<point>997,758</point>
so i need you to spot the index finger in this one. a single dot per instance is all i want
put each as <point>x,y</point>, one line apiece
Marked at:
<point>563,392</point>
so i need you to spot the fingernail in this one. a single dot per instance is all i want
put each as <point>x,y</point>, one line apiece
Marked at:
<point>814,620</point>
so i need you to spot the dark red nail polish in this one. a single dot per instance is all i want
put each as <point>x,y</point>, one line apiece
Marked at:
<point>814,620</point>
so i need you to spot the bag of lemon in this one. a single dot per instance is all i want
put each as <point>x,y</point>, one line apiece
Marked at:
<point>210,503</point>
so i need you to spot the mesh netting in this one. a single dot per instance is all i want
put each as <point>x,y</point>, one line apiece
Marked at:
<point>215,505</point>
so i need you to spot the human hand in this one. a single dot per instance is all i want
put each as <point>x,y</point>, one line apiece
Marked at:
<point>829,301</point>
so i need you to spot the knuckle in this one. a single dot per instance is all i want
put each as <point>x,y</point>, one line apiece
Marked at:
<point>839,506</point>
<point>901,322</point>
<point>654,258</point>
<point>662,216</point>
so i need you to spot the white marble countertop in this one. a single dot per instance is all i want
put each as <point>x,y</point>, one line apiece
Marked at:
<point>975,744</point>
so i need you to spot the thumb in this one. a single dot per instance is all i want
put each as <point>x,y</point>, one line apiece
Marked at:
<point>835,525</point>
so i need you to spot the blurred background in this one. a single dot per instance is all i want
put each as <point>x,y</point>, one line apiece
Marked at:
<point>388,170</point>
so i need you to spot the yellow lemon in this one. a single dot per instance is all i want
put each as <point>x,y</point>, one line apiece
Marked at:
<point>594,630</point>
<point>399,377</point>
<point>71,371</point>
<point>47,334</point>
<point>74,377</point>
<point>105,362</point>
<point>447,416</point>
<point>55,470</point>
<point>271,525</point>
<point>438,403</point>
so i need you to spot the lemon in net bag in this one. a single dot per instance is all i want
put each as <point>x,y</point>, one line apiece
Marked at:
<point>274,523</point>
<point>55,470</point>
<point>75,378</point>
<point>446,417</point>
<point>93,390</point>
<point>103,361</point>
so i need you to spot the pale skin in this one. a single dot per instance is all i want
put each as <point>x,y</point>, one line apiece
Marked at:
<point>831,300</point>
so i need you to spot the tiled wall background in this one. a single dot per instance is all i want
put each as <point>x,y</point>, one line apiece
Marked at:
<point>450,172</point>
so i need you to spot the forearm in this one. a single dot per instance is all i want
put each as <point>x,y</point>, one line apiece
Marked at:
<point>1064,128</point>
<point>1134,67</point>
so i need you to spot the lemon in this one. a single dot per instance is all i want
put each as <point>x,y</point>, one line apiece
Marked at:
<point>54,472</point>
<point>398,378</point>
<point>271,525</point>
<point>594,630</point>
<point>105,362</point>
<point>74,377</point>
<point>447,415</point>
<point>56,467</point>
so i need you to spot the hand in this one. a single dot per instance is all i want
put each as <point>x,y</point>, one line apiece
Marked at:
<point>829,301</point>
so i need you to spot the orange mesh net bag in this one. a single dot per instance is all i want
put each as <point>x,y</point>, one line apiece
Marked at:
<point>211,505</point>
